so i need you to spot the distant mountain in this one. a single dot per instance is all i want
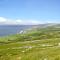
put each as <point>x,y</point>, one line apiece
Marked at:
<point>49,26</point>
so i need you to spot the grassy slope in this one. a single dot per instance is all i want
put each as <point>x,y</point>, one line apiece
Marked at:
<point>37,44</point>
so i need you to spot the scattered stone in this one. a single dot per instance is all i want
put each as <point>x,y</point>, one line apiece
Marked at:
<point>19,58</point>
<point>23,51</point>
<point>46,45</point>
<point>59,44</point>
<point>45,59</point>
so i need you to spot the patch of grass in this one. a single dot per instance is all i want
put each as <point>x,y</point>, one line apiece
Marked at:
<point>36,44</point>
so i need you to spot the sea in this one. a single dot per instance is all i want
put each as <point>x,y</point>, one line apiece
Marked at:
<point>6,30</point>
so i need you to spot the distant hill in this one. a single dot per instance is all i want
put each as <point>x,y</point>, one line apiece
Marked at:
<point>14,29</point>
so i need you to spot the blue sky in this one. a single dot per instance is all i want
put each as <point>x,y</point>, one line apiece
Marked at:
<point>29,11</point>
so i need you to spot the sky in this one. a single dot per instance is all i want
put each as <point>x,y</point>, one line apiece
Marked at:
<point>29,11</point>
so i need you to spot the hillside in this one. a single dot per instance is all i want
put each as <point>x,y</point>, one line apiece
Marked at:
<point>41,42</point>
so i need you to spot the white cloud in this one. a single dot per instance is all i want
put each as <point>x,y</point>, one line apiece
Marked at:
<point>23,22</point>
<point>2,19</point>
<point>17,21</point>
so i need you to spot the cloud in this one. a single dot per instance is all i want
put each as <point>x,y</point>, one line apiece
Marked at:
<point>17,21</point>
<point>2,19</point>
<point>23,22</point>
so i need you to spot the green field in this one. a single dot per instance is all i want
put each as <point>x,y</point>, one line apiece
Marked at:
<point>36,44</point>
